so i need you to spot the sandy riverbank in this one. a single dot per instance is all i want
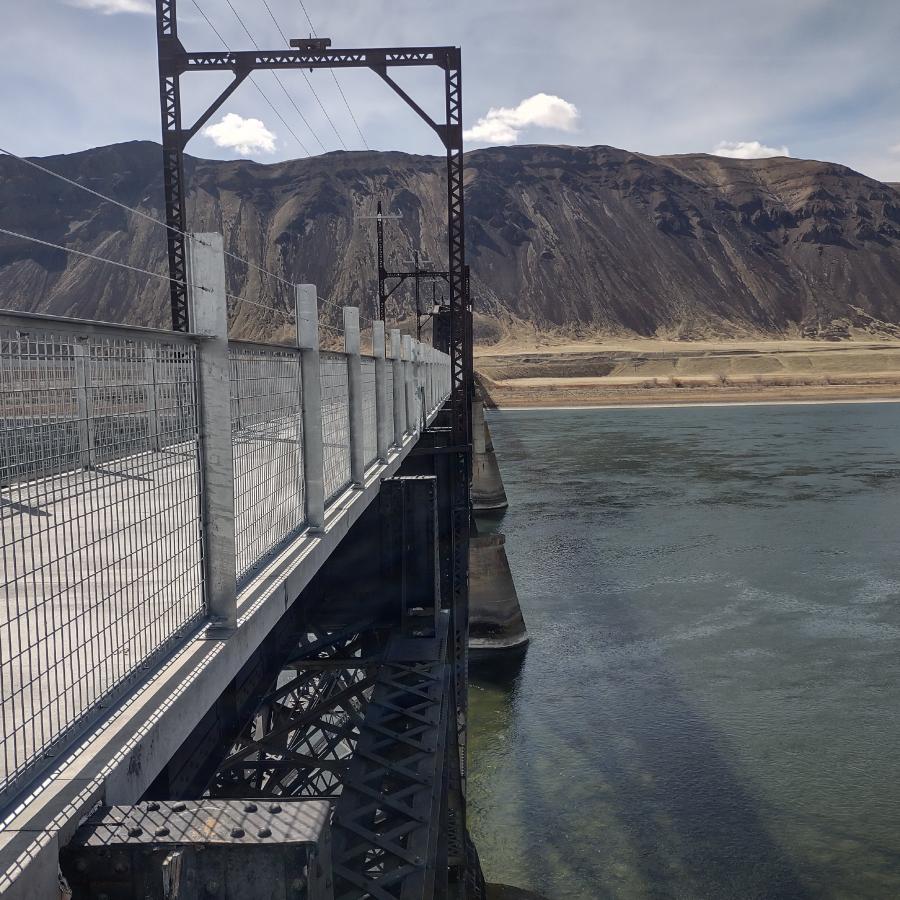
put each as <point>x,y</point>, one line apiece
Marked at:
<point>640,373</point>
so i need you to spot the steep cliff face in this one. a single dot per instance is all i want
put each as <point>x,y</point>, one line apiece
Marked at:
<point>580,240</point>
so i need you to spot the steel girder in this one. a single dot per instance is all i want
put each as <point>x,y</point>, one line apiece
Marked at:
<point>363,716</point>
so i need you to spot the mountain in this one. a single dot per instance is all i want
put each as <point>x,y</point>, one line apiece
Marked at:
<point>577,240</point>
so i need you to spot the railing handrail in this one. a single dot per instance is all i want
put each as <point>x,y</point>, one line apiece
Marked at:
<point>11,318</point>
<point>240,343</point>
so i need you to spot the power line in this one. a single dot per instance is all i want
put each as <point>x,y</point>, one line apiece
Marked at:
<point>88,190</point>
<point>138,212</point>
<point>275,76</point>
<point>103,259</point>
<point>281,312</point>
<point>305,76</point>
<point>334,76</point>
<point>247,262</point>
<point>253,81</point>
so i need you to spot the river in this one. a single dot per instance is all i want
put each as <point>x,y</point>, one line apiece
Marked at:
<point>709,705</point>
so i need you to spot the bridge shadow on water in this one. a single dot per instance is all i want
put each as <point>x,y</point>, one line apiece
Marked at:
<point>623,788</point>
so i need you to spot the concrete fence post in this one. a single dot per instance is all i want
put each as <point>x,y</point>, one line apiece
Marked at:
<point>409,384</point>
<point>81,352</point>
<point>382,401</point>
<point>355,393</point>
<point>419,384</point>
<point>399,397</point>
<point>209,317</point>
<point>307,311</point>
<point>430,374</point>
<point>152,402</point>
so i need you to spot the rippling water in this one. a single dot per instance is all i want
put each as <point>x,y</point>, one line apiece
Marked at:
<point>709,706</point>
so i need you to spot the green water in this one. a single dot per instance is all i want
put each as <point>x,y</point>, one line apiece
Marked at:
<point>709,706</point>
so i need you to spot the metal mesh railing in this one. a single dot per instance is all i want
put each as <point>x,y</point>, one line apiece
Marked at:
<point>267,441</point>
<point>335,423</point>
<point>370,416</point>
<point>99,503</point>
<point>389,410</point>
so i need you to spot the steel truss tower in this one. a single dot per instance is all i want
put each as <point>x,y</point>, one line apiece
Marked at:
<point>453,328</point>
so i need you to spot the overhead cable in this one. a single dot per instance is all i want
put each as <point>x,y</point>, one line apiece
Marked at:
<point>138,212</point>
<point>275,76</point>
<point>103,259</point>
<point>334,76</point>
<point>253,81</point>
<point>305,76</point>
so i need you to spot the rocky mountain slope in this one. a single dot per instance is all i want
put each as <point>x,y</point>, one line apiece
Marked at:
<point>576,240</point>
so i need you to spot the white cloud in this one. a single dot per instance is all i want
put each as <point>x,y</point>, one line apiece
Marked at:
<point>111,7</point>
<point>247,136</point>
<point>748,150</point>
<point>503,125</point>
<point>895,148</point>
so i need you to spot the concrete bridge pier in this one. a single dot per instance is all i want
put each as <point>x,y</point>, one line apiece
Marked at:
<point>488,492</point>
<point>496,625</point>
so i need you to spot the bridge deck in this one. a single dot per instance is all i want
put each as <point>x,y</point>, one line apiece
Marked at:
<point>98,601</point>
<point>121,755</point>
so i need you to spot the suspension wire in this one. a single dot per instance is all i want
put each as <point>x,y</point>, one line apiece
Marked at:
<point>282,312</point>
<point>247,262</point>
<point>253,81</point>
<point>305,76</point>
<point>112,262</point>
<point>334,76</point>
<point>88,190</point>
<point>277,78</point>
<point>143,215</point>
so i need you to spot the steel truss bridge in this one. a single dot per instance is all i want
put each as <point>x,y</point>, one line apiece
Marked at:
<point>235,602</point>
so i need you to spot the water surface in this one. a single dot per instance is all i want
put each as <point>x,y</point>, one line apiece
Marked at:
<point>709,705</point>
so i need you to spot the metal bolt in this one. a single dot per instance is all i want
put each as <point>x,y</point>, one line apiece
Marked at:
<point>153,807</point>
<point>162,831</point>
<point>237,832</point>
<point>179,807</point>
<point>275,808</point>
<point>264,832</point>
<point>135,831</point>
<point>249,807</point>
<point>419,860</point>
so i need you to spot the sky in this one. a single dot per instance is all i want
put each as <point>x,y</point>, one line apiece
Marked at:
<point>814,79</point>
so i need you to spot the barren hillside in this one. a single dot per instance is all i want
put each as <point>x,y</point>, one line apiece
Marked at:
<point>580,241</point>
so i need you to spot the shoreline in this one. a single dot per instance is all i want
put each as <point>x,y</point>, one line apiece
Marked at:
<point>692,376</point>
<point>538,407</point>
